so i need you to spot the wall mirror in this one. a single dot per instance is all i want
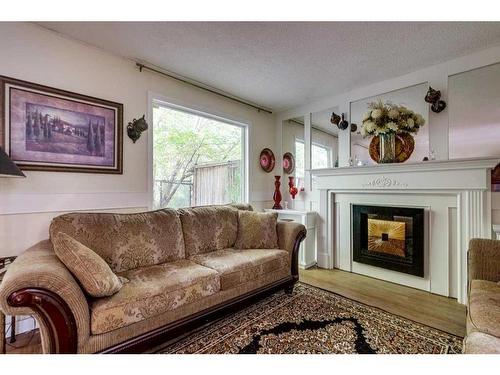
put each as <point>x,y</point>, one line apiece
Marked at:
<point>410,97</point>
<point>324,140</point>
<point>293,144</point>
<point>474,113</point>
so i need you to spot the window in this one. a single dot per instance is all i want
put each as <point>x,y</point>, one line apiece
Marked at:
<point>321,157</point>
<point>299,158</point>
<point>198,159</point>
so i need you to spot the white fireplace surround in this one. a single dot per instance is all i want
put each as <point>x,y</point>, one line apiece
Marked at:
<point>456,197</point>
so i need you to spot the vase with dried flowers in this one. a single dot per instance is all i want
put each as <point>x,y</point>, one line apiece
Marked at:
<point>386,121</point>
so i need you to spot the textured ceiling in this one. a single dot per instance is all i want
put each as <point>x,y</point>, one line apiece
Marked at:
<point>283,64</point>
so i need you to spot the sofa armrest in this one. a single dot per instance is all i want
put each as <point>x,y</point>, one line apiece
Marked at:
<point>38,284</point>
<point>290,235</point>
<point>484,260</point>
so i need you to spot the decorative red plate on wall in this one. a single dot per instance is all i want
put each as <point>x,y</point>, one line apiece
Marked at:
<point>267,160</point>
<point>288,163</point>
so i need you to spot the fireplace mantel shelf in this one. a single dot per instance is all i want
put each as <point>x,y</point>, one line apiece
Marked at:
<point>450,175</point>
<point>434,165</point>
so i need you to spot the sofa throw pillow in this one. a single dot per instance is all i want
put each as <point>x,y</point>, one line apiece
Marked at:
<point>93,273</point>
<point>257,230</point>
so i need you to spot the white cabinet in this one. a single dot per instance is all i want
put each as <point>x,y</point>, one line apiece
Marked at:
<point>307,252</point>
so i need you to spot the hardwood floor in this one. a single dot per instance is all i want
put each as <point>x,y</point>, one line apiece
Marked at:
<point>436,311</point>
<point>426,308</point>
<point>26,343</point>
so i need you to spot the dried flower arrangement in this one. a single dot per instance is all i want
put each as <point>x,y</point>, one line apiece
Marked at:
<point>386,118</point>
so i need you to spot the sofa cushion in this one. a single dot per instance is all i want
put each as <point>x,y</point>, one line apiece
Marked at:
<point>151,291</point>
<point>484,307</point>
<point>481,343</point>
<point>257,230</point>
<point>241,206</point>
<point>126,241</point>
<point>236,267</point>
<point>208,228</point>
<point>90,269</point>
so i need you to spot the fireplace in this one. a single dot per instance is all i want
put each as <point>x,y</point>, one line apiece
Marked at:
<point>389,237</point>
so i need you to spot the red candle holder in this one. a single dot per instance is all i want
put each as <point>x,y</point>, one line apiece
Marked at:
<point>277,193</point>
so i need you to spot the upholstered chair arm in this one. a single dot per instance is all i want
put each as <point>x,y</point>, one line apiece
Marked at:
<point>38,284</point>
<point>484,259</point>
<point>290,235</point>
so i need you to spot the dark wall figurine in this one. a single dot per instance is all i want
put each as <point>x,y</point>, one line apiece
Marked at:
<point>335,119</point>
<point>343,124</point>
<point>433,97</point>
<point>136,127</point>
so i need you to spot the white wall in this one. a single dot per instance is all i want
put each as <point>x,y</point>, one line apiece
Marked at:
<point>34,54</point>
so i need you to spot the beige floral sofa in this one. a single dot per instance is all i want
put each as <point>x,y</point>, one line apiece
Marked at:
<point>483,308</point>
<point>181,268</point>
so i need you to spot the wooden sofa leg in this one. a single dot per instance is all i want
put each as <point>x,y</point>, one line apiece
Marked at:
<point>289,288</point>
<point>55,314</point>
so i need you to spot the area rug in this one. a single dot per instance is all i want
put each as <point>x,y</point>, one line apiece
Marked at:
<point>312,320</point>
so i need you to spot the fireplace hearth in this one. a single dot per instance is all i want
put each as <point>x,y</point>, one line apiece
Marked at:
<point>389,237</point>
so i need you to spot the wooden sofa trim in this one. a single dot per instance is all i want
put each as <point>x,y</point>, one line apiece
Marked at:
<point>55,314</point>
<point>295,253</point>
<point>62,330</point>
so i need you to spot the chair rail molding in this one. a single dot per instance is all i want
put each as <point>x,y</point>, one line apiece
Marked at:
<point>15,204</point>
<point>456,196</point>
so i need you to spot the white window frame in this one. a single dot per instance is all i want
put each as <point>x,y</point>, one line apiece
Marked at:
<point>199,111</point>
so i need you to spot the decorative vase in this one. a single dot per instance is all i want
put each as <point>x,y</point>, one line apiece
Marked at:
<point>277,193</point>
<point>292,188</point>
<point>387,152</point>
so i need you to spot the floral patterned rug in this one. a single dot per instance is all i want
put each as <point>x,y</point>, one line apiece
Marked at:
<point>312,320</point>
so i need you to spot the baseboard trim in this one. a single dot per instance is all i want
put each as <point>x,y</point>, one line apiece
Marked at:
<point>325,261</point>
<point>305,266</point>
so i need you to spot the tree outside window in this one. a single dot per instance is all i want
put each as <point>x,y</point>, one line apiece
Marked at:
<point>196,160</point>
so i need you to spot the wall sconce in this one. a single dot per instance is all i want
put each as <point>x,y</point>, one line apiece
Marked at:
<point>433,97</point>
<point>341,123</point>
<point>136,127</point>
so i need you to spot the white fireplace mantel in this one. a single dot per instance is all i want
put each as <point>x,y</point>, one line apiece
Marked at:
<point>455,194</point>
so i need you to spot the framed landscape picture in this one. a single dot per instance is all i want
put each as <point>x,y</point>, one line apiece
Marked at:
<point>46,129</point>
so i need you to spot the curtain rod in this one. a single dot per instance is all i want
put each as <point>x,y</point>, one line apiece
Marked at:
<point>213,91</point>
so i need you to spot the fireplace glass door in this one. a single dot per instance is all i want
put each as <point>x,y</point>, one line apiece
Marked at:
<point>389,237</point>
